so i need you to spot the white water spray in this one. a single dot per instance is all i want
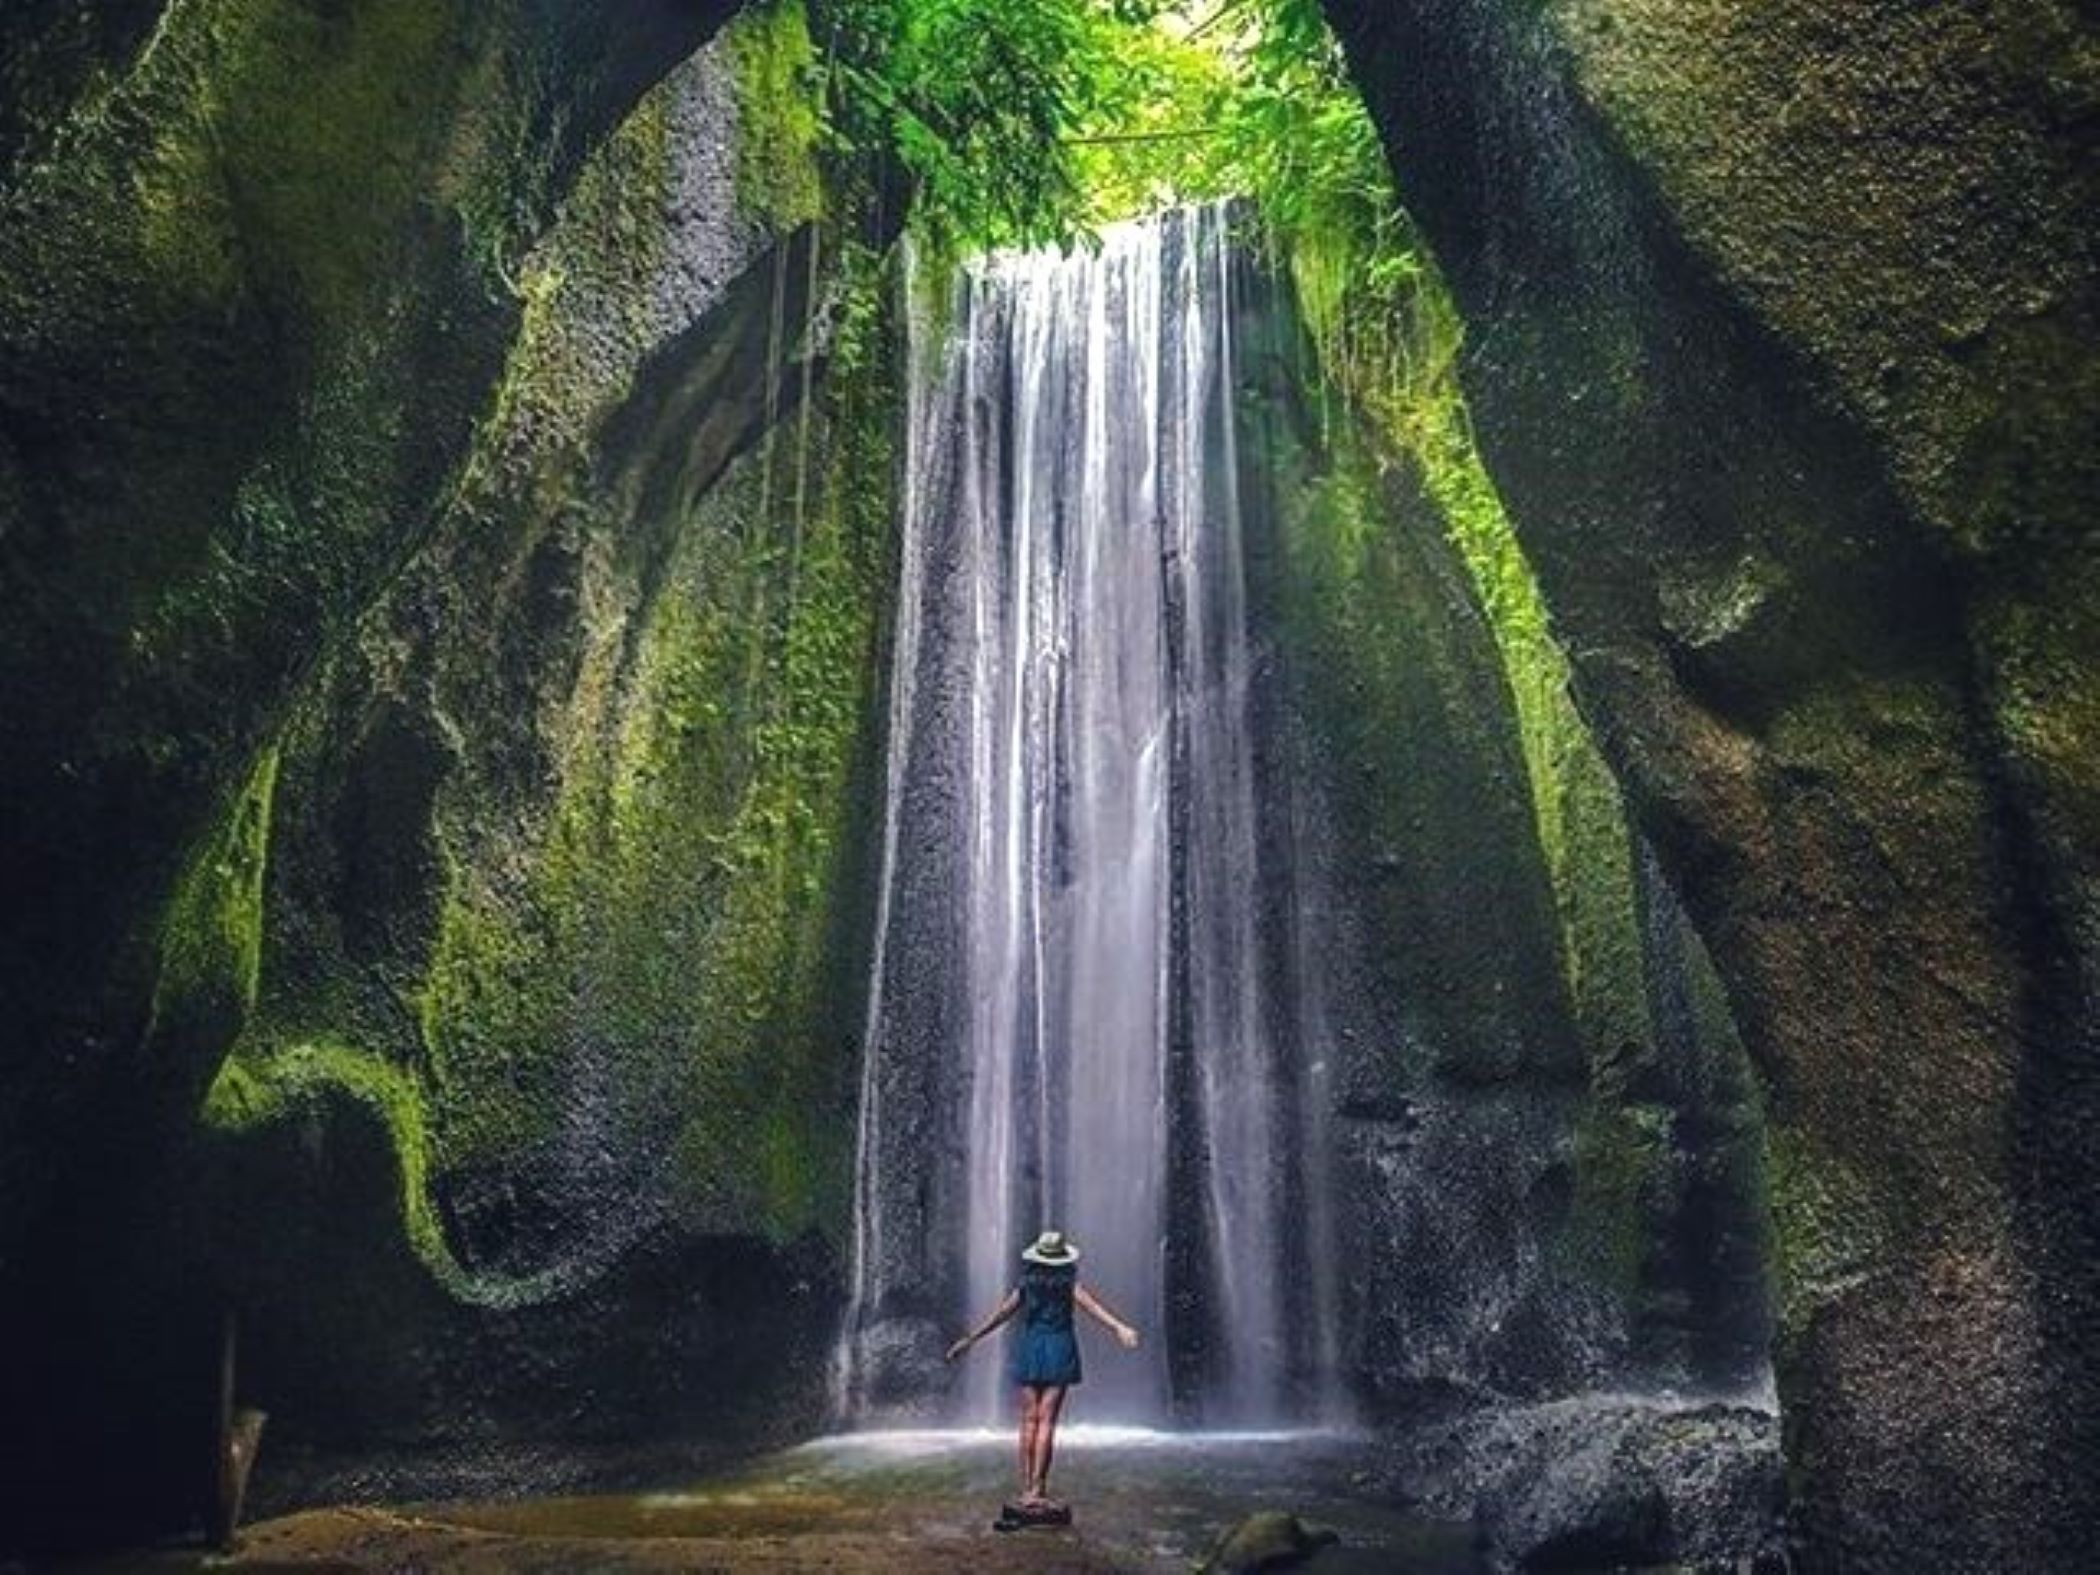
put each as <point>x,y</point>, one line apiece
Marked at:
<point>1072,756</point>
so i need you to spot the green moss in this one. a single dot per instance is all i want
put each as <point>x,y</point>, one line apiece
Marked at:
<point>212,959</point>
<point>789,739</point>
<point>590,283</point>
<point>212,935</point>
<point>497,180</point>
<point>314,158</point>
<point>1388,338</point>
<point>291,146</point>
<point>680,897</point>
<point>2047,711</point>
<point>486,1015</point>
<point>257,1086</point>
<point>1620,1152</point>
<point>778,82</point>
<point>249,199</point>
<point>642,934</point>
<point>184,232</point>
<point>1827,1227</point>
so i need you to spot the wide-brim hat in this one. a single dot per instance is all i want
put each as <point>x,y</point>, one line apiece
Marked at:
<point>1051,1248</point>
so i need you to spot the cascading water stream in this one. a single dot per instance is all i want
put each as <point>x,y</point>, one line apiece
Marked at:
<point>1071,1013</point>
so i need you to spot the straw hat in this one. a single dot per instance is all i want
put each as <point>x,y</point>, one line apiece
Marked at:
<point>1051,1248</point>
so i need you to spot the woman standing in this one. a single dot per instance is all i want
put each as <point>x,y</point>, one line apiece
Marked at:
<point>1046,1353</point>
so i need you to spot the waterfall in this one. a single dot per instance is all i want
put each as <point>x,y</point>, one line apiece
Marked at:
<point>1073,1016</point>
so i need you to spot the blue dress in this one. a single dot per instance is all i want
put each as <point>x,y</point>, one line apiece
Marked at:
<point>1046,1351</point>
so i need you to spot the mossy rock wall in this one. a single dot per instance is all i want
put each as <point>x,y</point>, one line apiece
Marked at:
<point>1781,352</point>
<point>1548,1148</point>
<point>360,534</point>
<point>564,895</point>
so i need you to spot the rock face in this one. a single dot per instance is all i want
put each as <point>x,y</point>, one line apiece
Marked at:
<point>1607,1483</point>
<point>435,562</point>
<point>1781,351</point>
<point>562,852</point>
<point>1547,1151</point>
<point>1270,1540</point>
<point>248,213</point>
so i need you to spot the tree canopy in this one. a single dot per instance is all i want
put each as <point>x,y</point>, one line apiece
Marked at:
<point>1031,122</point>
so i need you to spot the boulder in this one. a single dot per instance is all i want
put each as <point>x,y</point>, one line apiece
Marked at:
<point>1272,1539</point>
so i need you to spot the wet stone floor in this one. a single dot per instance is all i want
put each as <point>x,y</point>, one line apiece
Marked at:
<point>897,1503</point>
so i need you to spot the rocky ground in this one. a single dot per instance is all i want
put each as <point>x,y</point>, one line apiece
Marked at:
<point>1589,1484</point>
<point>891,1502</point>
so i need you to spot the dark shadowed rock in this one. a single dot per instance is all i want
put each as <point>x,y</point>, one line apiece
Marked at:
<point>1598,1482</point>
<point>1781,349</point>
<point>380,474</point>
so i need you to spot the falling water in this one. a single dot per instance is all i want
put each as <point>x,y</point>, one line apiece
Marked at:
<point>1070,1014</point>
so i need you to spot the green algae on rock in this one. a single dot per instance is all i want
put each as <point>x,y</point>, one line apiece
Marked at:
<point>354,370</point>
<point>1741,286</point>
<point>587,975</point>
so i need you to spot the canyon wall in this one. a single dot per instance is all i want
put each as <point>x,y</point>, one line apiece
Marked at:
<point>446,465</point>
<point>1780,328</point>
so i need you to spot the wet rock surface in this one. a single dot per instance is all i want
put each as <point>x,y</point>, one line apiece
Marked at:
<point>1142,1504</point>
<point>1590,1484</point>
<point>1275,1539</point>
<point>379,453</point>
<point>1546,1146</point>
<point>1777,320</point>
<point>1597,1482</point>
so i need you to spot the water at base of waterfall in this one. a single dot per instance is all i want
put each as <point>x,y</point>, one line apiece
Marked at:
<point>1158,1502</point>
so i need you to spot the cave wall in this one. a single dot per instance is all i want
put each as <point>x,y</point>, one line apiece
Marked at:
<point>303,215</point>
<point>562,869</point>
<point>444,458</point>
<point>1780,325</point>
<point>1547,1150</point>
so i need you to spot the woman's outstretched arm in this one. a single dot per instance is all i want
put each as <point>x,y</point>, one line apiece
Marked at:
<point>1005,1310</point>
<point>1126,1336</point>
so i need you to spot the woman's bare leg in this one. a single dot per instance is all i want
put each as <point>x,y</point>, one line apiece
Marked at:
<point>1031,1409</point>
<point>1051,1403</point>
